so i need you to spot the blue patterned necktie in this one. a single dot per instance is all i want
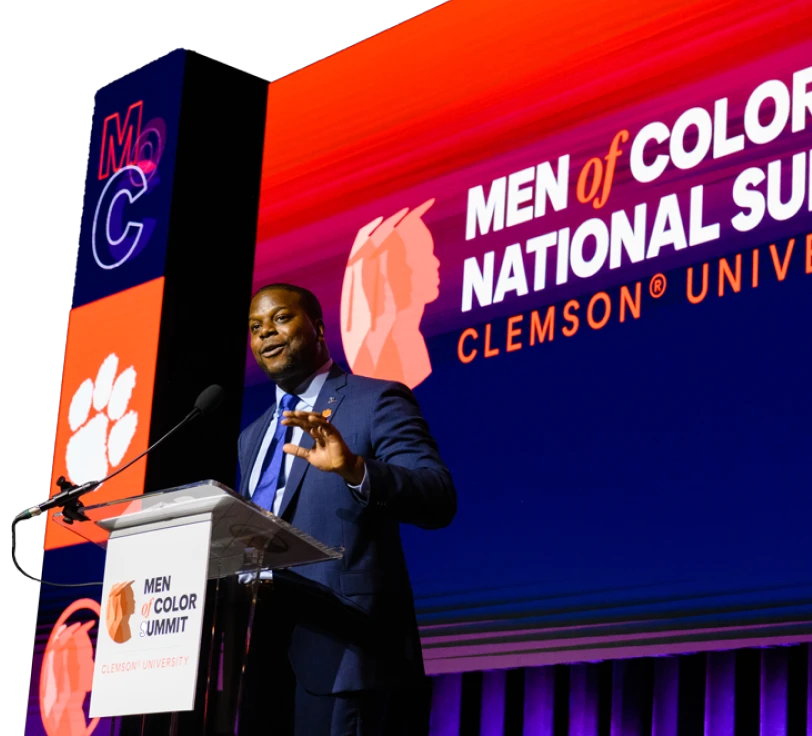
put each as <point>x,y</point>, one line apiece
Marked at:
<point>273,465</point>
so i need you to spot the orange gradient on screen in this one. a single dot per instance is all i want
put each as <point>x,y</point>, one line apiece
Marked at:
<point>447,88</point>
<point>106,401</point>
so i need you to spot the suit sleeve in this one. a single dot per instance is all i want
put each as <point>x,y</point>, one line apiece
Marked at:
<point>406,475</point>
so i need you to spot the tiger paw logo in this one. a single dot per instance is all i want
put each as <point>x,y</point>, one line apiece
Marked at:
<point>120,606</point>
<point>102,427</point>
<point>390,277</point>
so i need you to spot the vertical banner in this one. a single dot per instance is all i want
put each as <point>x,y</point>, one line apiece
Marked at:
<point>109,371</point>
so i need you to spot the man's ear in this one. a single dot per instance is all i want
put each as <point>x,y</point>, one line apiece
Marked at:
<point>320,329</point>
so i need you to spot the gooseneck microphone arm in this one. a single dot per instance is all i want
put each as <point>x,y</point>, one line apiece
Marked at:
<point>71,493</point>
<point>208,400</point>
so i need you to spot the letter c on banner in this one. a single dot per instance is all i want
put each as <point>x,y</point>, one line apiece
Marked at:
<point>130,182</point>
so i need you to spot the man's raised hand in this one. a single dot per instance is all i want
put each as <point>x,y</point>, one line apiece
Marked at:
<point>329,452</point>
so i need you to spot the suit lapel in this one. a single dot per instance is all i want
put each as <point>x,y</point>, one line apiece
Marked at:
<point>330,397</point>
<point>256,443</point>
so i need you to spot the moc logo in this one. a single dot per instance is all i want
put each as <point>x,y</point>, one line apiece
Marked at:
<point>128,163</point>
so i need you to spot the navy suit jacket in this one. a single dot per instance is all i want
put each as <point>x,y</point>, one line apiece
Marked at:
<point>354,622</point>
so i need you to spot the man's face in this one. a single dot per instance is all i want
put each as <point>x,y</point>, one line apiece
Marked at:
<point>286,344</point>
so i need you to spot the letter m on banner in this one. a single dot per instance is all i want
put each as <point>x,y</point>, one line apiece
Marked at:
<point>120,142</point>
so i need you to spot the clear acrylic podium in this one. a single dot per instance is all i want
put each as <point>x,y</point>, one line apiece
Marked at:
<point>245,540</point>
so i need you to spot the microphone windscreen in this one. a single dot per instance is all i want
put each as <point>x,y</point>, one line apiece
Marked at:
<point>210,398</point>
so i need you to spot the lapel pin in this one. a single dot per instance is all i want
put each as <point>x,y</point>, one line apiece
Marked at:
<point>331,400</point>
<point>327,413</point>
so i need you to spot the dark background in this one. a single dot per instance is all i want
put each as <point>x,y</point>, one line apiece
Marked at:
<point>89,61</point>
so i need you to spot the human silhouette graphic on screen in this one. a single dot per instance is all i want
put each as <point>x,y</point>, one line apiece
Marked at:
<point>67,675</point>
<point>120,606</point>
<point>390,277</point>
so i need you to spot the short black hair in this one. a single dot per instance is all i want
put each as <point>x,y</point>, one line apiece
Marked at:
<point>308,300</point>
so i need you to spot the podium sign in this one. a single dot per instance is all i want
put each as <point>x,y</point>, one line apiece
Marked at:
<point>151,622</point>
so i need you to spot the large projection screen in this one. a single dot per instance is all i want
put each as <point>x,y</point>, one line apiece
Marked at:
<point>582,235</point>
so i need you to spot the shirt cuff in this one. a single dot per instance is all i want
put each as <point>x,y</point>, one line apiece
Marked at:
<point>362,490</point>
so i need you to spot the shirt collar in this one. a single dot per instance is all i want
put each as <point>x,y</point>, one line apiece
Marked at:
<point>308,391</point>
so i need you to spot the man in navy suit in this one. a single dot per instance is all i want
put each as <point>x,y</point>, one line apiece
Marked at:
<point>345,459</point>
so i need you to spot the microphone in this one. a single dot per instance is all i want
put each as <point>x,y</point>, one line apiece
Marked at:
<point>207,401</point>
<point>210,398</point>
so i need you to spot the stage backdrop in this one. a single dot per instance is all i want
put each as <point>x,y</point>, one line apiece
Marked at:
<point>581,233</point>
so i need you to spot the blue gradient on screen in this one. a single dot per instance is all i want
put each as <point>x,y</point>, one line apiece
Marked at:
<point>668,458</point>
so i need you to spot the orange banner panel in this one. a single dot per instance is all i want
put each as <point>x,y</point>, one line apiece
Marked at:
<point>106,402</point>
